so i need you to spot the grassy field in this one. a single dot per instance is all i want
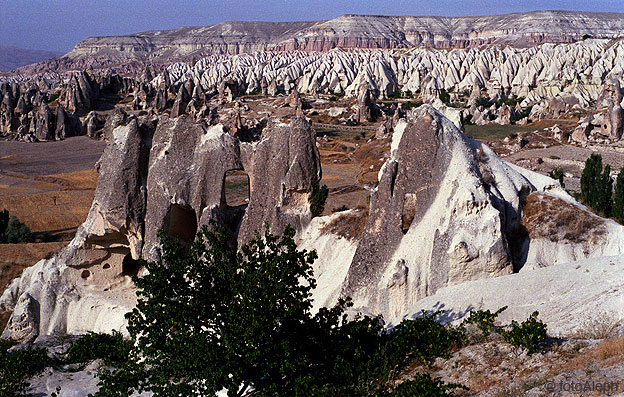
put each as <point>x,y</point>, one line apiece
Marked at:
<point>494,132</point>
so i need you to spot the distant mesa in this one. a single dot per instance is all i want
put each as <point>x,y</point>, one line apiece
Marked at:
<point>13,57</point>
<point>347,31</point>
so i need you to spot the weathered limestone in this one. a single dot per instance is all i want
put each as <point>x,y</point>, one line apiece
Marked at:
<point>432,219</point>
<point>167,176</point>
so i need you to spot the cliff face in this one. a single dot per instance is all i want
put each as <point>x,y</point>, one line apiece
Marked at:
<point>358,31</point>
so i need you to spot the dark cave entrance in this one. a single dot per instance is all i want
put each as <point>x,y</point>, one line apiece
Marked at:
<point>182,224</point>
<point>130,267</point>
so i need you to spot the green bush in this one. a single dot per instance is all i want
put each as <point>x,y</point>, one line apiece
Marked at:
<point>411,105</point>
<point>468,120</point>
<point>444,96</point>
<point>317,200</point>
<point>517,116</point>
<point>557,174</point>
<point>530,334</point>
<point>509,101</point>
<point>484,101</point>
<point>19,365</point>
<point>54,97</point>
<point>4,222</point>
<point>484,320</point>
<point>112,348</point>
<point>425,338</point>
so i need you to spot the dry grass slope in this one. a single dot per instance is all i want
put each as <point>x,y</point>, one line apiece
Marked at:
<point>552,218</point>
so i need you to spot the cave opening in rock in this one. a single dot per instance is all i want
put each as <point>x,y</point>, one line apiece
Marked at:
<point>182,223</point>
<point>235,188</point>
<point>129,266</point>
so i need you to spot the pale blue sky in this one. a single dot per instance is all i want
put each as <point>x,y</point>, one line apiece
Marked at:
<point>59,24</point>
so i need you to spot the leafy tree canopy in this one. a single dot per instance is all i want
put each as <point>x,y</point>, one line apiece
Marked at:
<point>212,317</point>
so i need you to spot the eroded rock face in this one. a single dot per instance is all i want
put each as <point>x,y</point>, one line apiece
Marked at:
<point>433,219</point>
<point>160,174</point>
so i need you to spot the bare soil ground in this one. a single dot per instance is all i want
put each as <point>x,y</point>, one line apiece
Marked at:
<point>49,187</point>
<point>495,368</point>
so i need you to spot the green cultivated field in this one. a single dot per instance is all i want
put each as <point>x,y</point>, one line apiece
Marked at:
<point>494,132</point>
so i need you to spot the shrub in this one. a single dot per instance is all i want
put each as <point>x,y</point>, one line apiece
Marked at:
<point>112,348</point>
<point>4,222</point>
<point>557,174</point>
<point>468,120</point>
<point>19,365</point>
<point>517,116</point>
<point>530,334</point>
<point>509,101</point>
<point>425,338</point>
<point>483,319</point>
<point>317,200</point>
<point>484,101</point>
<point>602,325</point>
<point>411,105</point>
<point>54,97</point>
<point>444,96</point>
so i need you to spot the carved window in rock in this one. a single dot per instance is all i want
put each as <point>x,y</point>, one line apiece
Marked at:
<point>236,188</point>
<point>182,223</point>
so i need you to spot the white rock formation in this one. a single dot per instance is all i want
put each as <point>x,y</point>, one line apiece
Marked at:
<point>570,297</point>
<point>447,210</point>
<point>445,219</point>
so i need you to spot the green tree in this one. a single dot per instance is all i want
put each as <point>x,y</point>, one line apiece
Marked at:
<point>212,317</point>
<point>605,195</point>
<point>597,185</point>
<point>317,200</point>
<point>17,232</point>
<point>4,222</point>
<point>618,197</point>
